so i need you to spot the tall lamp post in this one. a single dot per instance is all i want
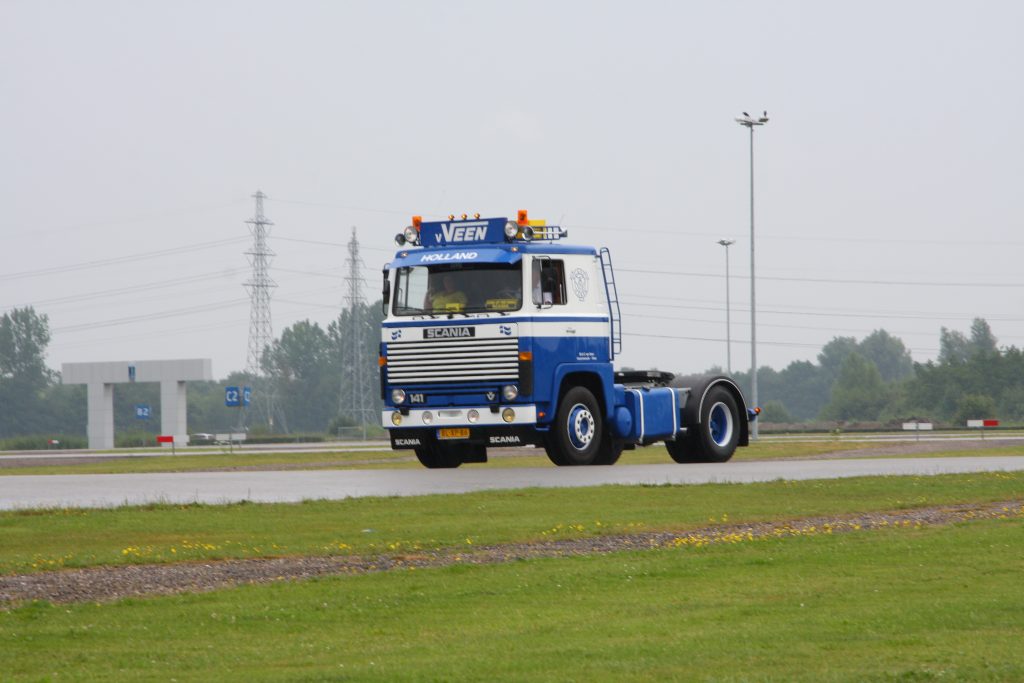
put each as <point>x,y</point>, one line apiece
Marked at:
<point>750,122</point>
<point>728,320</point>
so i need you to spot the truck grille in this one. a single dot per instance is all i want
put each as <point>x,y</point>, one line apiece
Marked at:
<point>453,360</point>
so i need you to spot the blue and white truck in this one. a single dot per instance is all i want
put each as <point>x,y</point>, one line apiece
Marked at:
<point>499,334</point>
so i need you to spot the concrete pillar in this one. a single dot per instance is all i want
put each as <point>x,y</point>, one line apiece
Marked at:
<point>174,411</point>
<point>100,415</point>
<point>100,379</point>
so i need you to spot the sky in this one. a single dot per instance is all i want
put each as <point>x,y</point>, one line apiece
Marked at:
<point>888,181</point>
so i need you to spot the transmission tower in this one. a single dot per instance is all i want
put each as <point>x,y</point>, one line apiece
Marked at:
<point>355,380</point>
<point>261,329</point>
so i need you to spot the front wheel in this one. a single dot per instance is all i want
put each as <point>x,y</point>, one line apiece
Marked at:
<point>436,457</point>
<point>577,435</point>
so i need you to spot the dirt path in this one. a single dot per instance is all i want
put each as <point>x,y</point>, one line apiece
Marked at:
<point>102,584</point>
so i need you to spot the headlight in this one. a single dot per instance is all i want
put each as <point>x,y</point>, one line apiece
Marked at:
<point>396,418</point>
<point>412,235</point>
<point>473,415</point>
<point>397,396</point>
<point>527,233</point>
<point>428,417</point>
<point>508,415</point>
<point>510,392</point>
<point>511,230</point>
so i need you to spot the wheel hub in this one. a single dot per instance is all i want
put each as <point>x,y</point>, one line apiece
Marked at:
<point>581,426</point>
<point>720,424</point>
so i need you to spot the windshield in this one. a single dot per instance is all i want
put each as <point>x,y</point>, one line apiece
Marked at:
<point>458,288</point>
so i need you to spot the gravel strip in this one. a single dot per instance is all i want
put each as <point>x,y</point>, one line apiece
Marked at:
<point>104,584</point>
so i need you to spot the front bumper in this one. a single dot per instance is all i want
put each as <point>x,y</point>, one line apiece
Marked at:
<point>487,436</point>
<point>525,414</point>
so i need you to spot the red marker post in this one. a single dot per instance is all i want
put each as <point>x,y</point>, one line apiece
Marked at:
<point>982,424</point>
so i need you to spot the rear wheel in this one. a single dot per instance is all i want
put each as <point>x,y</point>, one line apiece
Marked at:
<point>719,426</point>
<point>715,438</point>
<point>682,450</point>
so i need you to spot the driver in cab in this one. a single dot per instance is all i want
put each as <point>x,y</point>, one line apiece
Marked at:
<point>449,298</point>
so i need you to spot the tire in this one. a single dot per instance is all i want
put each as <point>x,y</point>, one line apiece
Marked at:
<point>718,433</point>
<point>610,452</point>
<point>608,455</point>
<point>436,457</point>
<point>578,434</point>
<point>554,455</point>
<point>682,450</point>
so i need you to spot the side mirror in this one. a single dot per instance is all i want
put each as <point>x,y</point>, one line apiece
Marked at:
<point>385,294</point>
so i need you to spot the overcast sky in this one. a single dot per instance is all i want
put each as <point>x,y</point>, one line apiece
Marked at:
<point>889,181</point>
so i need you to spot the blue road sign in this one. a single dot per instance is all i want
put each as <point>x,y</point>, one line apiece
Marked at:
<point>232,397</point>
<point>246,396</point>
<point>143,411</point>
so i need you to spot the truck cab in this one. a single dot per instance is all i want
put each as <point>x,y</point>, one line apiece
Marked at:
<point>498,333</point>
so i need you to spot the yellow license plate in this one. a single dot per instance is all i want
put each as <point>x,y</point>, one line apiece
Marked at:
<point>453,433</point>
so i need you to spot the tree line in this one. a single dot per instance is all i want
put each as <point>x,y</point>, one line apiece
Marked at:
<point>876,380</point>
<point>306,385</point>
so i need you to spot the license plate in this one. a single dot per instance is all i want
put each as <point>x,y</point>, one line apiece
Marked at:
<point>453,433</point>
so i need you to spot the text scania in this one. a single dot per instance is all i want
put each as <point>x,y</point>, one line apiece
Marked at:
<point>450,256</point>
<point>448,332</point>
<point>468,232</point>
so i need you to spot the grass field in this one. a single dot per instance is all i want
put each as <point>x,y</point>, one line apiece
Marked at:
<point>39,540</point>
<point>936,603</point>
<point>933,604</point>
<point>405,459</point>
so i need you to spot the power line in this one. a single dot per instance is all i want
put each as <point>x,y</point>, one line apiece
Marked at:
<point>142,218</point>
<point>844,281</point>
<point>786,326</point>
<point>838,314</point>
<point>326,205</point>
<point>121,259</point>
<point>333,244</point>
<point>674,232</point>
<point>118,291</point>
<point>148,316</point>
<point>804,345</point>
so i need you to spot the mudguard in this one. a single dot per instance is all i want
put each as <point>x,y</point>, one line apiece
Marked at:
<point>699,390</point>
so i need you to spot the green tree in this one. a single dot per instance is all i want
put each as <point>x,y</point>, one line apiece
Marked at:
<point>834,353</point>
<point>982,339</point>
<point>24,376</point>
<point>974,407</point>
<point>299,364</point>
<point>858,393</point>
<point>24,336</point>
<point>953,347</point>
<point>889,355</point>
<point>357,328</point>
<point>775,412</point>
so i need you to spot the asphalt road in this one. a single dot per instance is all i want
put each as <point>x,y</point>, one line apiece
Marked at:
<point>1008,437</point>
<point>113,490</point>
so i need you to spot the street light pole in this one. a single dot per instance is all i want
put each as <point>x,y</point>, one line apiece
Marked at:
<point>728,318</point>
<point>749,121</point>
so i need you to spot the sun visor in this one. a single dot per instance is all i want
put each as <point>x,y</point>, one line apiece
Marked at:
<point>437,257</point>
